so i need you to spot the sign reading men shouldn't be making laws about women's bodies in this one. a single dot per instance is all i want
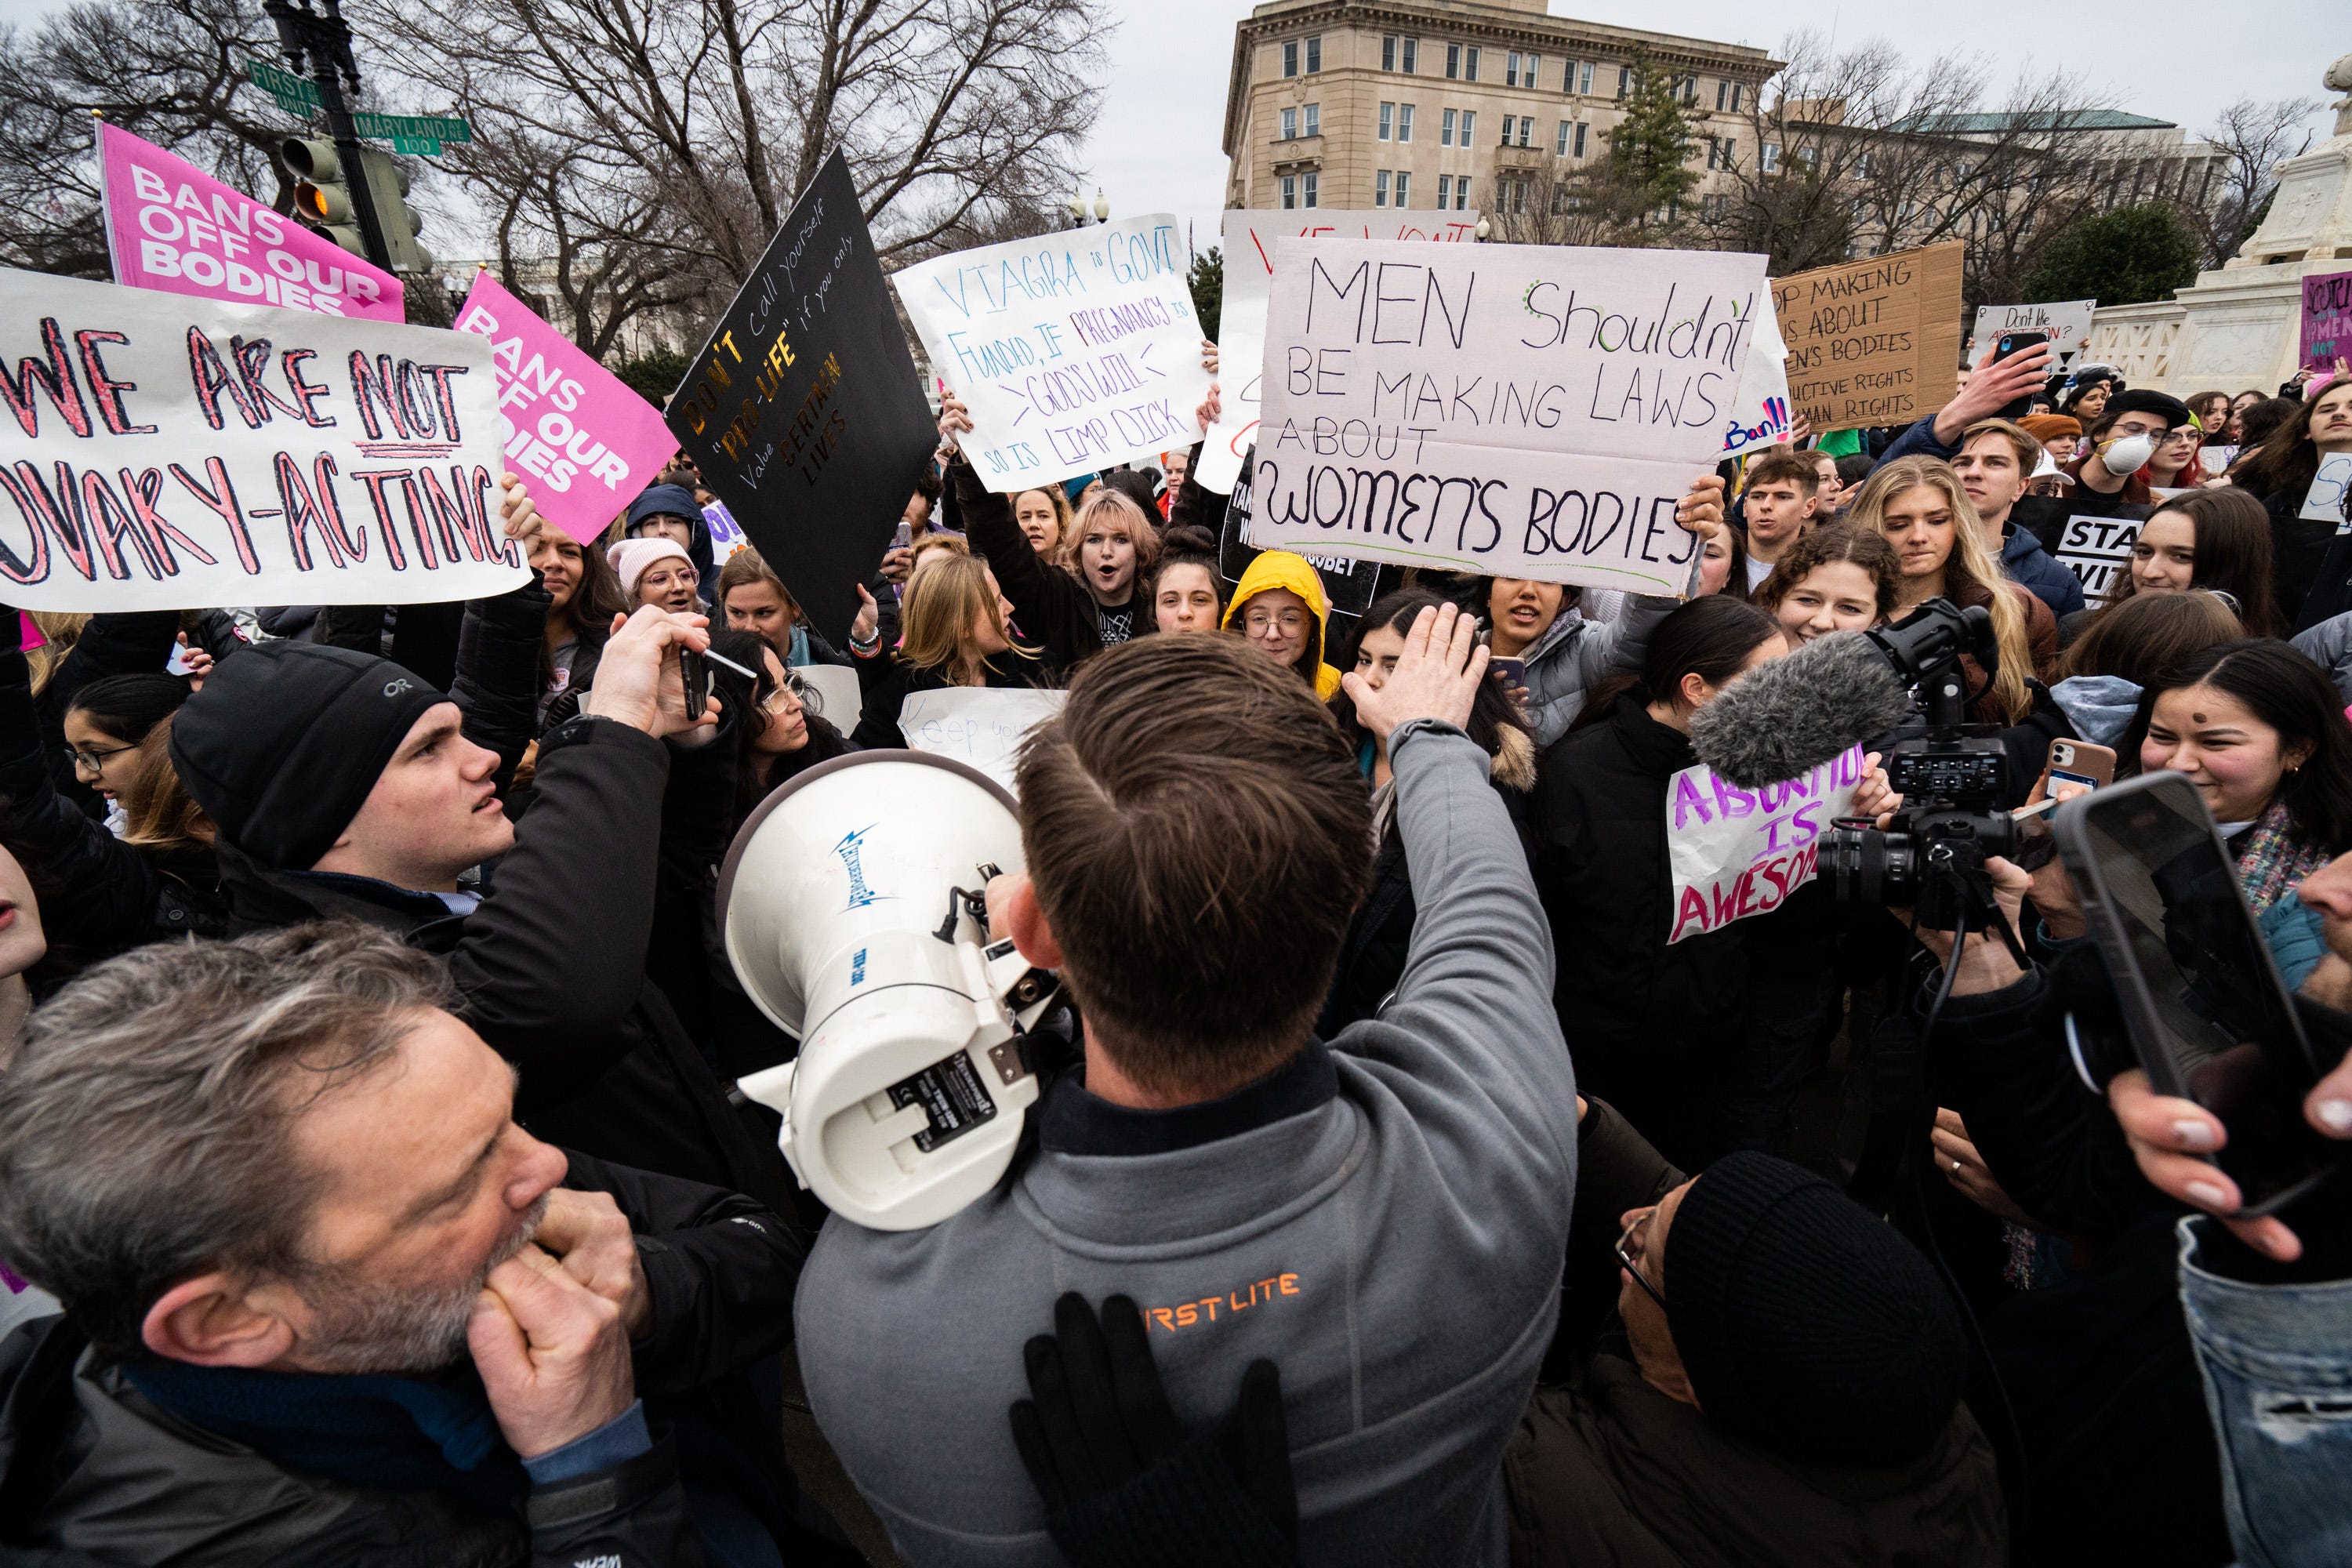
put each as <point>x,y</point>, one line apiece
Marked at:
<point>1073,351</point>
<point>1526,411</point>
<point>159,452</point>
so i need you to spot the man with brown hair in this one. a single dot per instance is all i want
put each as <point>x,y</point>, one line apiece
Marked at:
<point>1995,463</point>
<point>1782,494</point>
<point>1381,1215</point>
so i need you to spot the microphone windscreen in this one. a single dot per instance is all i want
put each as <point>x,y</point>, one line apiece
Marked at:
<point>1783,719</point>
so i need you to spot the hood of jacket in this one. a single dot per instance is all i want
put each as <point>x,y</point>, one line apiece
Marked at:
<point>1283,568</point>
<point>1565,629</point>
<point>2018,547</point>
<point>262,897</point>
<point>2100,707</point>
<point>1513,766</point>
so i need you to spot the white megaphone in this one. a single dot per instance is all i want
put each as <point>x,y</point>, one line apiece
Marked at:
<point>852,908</point>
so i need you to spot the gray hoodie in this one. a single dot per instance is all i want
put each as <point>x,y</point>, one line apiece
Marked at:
<point>1384,1219</point>
<point>1574,655</point>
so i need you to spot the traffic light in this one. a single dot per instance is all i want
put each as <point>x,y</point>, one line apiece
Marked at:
<point>322,198</point>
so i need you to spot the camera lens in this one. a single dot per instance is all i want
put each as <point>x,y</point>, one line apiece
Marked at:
<point>1866,865</point>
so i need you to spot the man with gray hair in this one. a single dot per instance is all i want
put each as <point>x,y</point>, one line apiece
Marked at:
<point>325,1300</point>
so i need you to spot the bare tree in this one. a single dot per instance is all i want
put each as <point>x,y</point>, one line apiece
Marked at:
<point>651,147</point>
<point>2253,140</point>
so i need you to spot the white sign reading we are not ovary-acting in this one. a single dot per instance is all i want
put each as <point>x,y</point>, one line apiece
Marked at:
<point>1527,411</point>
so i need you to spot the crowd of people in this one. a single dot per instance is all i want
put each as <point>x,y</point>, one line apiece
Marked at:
<point>374,1187</point>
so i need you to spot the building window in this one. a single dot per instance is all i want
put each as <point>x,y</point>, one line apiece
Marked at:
<point>1310,187</point>
<point>1405,121</point>
<point>1534,68</point>
<point>1508,120</point>
<point>1315,54</point>
<point>1453,62</point>
<point>1469,128</point>
<point>1511,69</point>
<point>1584,77</point>
<point>1446,129</point>
<point>1768,158</point>
<point>1518,195</point>
<point>1289,190</point>
<point>1387,51</point>
<point>1690,88</point>
<point>1862,166</point>
<point>1289,124</point>
<point>1404,188</point>
<point>1380,188</point>
<point>1713,153</point>
<point>1462,192</point>
<point>1722,93</point>
<point>1314,119</point>
<point>1290,57</point>
<point>1445,192</point>
<point>1470,63</point>
<point>1387,121</point>
<point>1560,149</point>
<point>1411,53</point>
<point>1624,80</point>
<point>1734,96</point>
<point>1580,129</point>
<point>1526,129</point>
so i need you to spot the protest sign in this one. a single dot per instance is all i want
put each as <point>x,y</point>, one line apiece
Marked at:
<point>832,692</point>
<point>2068,324</point>
<point>1733,853</point>
<point>1525,410</point>
<point>727,535</point>
<point>977,724</point>
<point>2326,320</point>
<point>159,452</point>
<point>1873,342</point>
<point>1347,586</point>
<point>1248,251</point>
<point>1759,414</point>
<point>173,227</point>
<point>2323,501</point>
<point>1073,351</point>
<point>2098,550</point>
<point>804,410</point>
<point>582,442</point>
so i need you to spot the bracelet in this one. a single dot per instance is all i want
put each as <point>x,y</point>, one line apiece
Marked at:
<point>866,649</point>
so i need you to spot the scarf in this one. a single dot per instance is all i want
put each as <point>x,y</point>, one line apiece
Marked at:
<point>391,1433</point>
<point>2272,860</point>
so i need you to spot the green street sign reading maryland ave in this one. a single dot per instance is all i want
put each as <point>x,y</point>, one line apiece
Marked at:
<point>415,128</point>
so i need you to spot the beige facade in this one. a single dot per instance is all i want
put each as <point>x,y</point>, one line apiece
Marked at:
<point>1344,103</point>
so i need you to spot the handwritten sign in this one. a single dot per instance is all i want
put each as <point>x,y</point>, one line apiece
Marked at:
<point>804,410</point>
<point>1759,414</point>
<point>1248,251</point>
<point>1532,411</point>
<point>1873,342</point>
<point>1733,853</point>
<point>173,227</point>
<point>2323,501</point>
<point>2066,324</point>
<point>159,452</point>
<point>2098,550</point>
<point>1073,351</point>
<point>1347,586</point>
<point>582,441</point>
<point>2326,319</point>
<point>977,724</point>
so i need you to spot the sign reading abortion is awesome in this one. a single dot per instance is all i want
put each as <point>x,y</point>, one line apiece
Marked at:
<point>804,410</point>
<point>583,443</point>
<point>1073,351</point>
<point>171,226</point>
<point>1736,852</point>
<point>1528,411</point>
<point>1249,240</point>
<point>159,452</point>
<point>1876,341</point>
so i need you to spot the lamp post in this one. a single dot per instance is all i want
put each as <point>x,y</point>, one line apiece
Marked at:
<point>1482,231</point>
<point>1079,209</point>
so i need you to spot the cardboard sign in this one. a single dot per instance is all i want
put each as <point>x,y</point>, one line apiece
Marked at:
<point>1735,853</point>
<point>1524,410</point>
<point>977,724</point>
<point>1347,586</point>
<point>159,452</point>
<point>2098,550</point>
<point>580,441</point>
<point>2067,324</point>
<point>2326,320</point>
<point>1248,251</point>
<point>1873,342</point>
<point>173,227</point>
<point>2323,501</point>
<point>1760,416</point>
<point>804,410</point>
<point>1073,351</point>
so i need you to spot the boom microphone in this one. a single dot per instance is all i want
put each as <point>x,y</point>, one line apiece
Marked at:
<point>1782,719</point>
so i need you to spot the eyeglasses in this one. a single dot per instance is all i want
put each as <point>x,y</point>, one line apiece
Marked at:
<point>2185,433</point>
<point>773,703</point>
<point>95,761</point>
<point>1642,1225</point>
<point>1257,623</point>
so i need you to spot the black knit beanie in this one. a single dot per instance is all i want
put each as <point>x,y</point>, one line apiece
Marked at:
<point>286,740</point>
<point>1806,1324</point>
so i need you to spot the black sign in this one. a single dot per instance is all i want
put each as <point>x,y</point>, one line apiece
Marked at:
<point>1348,586</point>
<point>804,410</point>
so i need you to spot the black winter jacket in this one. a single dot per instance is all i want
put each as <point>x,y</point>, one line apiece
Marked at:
<point>1054,608</point>
<point>550,969</point>
<point>885,682</point>
<point>92,1472</point>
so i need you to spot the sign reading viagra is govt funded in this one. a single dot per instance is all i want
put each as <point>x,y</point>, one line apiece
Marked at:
<point>1519,410</point>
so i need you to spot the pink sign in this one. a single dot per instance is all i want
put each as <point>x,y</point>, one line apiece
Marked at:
<point>171,227</point>
<point>583,443</point>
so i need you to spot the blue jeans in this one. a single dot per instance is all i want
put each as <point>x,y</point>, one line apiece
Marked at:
<point>2277,1361</point>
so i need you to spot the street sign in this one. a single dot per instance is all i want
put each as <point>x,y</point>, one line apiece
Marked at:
<point>414,126</point>
<point>296,96</point>
<point>417,146</point>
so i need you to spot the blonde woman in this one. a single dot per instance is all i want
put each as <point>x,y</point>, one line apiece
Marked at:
<point>1918,506</point>
<point>1044,515</point>
<point>957,632</point>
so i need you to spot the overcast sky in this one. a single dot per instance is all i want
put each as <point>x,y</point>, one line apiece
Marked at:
<point>1156,145</point>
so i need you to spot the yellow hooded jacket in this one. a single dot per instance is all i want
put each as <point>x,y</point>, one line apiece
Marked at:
<point>1282,569</point>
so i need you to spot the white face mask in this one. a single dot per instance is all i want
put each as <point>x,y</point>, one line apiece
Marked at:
<point>2128,453</point>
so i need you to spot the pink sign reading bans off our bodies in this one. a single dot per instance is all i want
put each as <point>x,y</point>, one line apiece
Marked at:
<point>171,227</point>
<point>583,443</point>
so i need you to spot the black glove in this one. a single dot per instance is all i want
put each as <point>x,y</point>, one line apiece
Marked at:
<point>1123,1482</point>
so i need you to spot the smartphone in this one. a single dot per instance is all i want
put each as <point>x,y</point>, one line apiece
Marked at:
<point>2078,762</point>
<point>2210,1017</point>
<point>694,671</point>
<point>2009,345</point>
<point>1514,671</point>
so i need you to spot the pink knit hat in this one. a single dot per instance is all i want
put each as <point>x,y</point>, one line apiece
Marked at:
<point>631,557</point>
